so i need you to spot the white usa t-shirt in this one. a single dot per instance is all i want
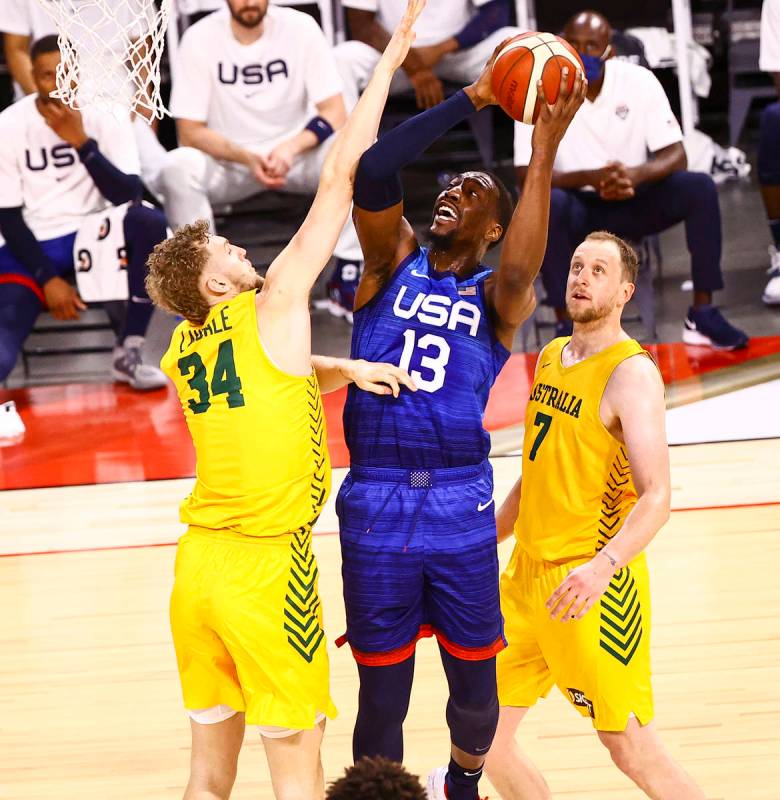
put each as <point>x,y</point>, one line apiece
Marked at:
<point>769,59</point>
<point>440,19</point>
<point>258,94</point>
<point>43,174</point>
<point>630,118</point>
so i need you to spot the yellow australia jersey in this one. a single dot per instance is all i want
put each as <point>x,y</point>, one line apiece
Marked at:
<point>259,433</point>
<point>577,486</point>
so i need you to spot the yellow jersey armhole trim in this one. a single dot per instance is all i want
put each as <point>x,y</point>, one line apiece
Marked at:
<point>264,353</point>
<point>641,352</point>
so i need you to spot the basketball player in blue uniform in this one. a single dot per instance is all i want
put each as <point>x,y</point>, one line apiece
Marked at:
<point>418,534</point>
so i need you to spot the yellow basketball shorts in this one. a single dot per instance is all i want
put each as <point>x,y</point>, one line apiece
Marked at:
<point>601,662</point>
<point>247,627</point>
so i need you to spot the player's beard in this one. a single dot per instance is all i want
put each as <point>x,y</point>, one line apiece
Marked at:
<point>442,241</point>
<point>250,283</point>
<point>592,314</point>
<point>248,16</point>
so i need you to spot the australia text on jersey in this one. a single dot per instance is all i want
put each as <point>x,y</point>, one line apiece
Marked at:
<point>556,398</point>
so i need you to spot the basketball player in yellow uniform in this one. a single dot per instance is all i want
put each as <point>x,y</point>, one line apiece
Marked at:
<point>595,491</point>
<point>245,613</point>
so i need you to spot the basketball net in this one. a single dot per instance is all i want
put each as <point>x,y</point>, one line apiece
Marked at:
<point>110,53</point>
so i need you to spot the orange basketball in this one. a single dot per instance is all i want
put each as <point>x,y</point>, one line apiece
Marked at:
<point>522,62</point>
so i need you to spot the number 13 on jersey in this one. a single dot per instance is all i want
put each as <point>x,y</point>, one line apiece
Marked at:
<point>431,353</point>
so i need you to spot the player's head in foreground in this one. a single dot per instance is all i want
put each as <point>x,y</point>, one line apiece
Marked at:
<point>376,779</point>
<point>195,269</point>
<point>472,214</point>
<point>45,56</point>
<point>248,13</point>
<point>601,279</point>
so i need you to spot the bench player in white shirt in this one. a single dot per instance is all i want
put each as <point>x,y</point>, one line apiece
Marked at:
<point>769,144</point>
<point>256,101</point>
<point>621,167</point>
<point>58,167</point>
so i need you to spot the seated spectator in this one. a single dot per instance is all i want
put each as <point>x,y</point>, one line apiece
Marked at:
<point>22,22</point>
<point>25,21</point>
<point>376,779</point>
<point>250,79</point>
<point>455,38</point>
<point>603,179</point>
<point>58,167</point>
<point>769,144</point>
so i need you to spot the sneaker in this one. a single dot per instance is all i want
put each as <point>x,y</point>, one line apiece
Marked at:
<point>11,425</point>
<point>564,327</point>
<point>705,325</point>
<point>436,788</point>
<point>128,367</point>
<point>341,288</point>
<point>771,294</point>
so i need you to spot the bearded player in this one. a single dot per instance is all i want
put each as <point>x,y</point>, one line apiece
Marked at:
<point>593,494</point>
<point>245,613</point>
<point>417,528</point>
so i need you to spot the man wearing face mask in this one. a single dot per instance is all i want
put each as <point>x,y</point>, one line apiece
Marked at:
<point>622,167</point>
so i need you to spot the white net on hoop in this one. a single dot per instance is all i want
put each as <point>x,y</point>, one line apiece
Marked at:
<point>111,51</point>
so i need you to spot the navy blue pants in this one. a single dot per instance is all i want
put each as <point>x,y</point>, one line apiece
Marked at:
<point>19,304</point>
<point>689,197</point>
<point>769,146</point>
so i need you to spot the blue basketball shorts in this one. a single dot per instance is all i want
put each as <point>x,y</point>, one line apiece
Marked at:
<point>419,559</point>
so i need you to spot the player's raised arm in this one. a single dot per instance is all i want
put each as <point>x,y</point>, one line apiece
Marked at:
<point>295,270</point>
<point>525,243</point>
<point>385,235</point>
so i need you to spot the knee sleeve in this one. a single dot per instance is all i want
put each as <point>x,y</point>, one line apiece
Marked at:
<point>769,146</point>
<point>472,727</point>
<point>472,710</point>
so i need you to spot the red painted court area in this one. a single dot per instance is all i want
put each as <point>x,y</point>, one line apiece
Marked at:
<point>106,433</point>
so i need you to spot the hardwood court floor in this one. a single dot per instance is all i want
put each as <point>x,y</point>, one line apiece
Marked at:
<point>89,693</point>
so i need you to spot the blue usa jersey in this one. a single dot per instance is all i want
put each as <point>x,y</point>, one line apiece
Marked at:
<point>437,328</point>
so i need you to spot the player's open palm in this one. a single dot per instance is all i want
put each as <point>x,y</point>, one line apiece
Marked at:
<point>380,378</point>
<point>483,94</point>
<point>401,41</point>
<point>553,120</point>
<point>62,299</point>
<point>580,590</point>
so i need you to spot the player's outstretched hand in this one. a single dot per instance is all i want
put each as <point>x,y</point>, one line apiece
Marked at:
<point>581,588</point>
<point>481,91</point>
<point>398,47</point>
<point>553,120</point>
<point>62,299</point>
<point>380,378</point>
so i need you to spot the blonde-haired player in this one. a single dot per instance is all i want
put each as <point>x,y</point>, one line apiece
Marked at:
<point>245,614</point>
<point>595,491</point>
